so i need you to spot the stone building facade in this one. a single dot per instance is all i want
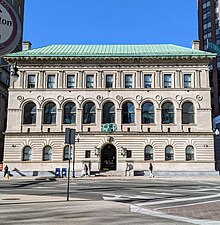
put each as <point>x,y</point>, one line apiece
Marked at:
<point>156,97</point>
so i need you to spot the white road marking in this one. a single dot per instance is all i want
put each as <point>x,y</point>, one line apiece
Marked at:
<point>140,210</point>
<point>179,200</point>
<point>176,206</point>
<point>159,193</point>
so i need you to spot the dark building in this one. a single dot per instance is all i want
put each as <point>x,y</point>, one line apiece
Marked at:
<point>209,36</point>
<point>18,5</point>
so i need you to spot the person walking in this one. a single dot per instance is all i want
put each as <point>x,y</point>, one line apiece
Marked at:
<point>151,170</point>
<point>83,171</point>
<point>86,170</point>
<point>6,170</point>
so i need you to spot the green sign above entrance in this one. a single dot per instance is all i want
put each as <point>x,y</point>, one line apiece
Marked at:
<point>109,127</point>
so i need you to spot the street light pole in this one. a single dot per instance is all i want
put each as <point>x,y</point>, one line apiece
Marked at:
<point>68,182</point>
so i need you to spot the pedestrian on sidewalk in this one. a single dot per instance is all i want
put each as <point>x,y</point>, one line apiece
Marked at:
<point>83,171</point>
<point>151,170</point>
<point>5,170</point>
<point>86,170</point>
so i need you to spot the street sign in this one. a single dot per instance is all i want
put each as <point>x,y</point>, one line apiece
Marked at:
<point>70,136</point>
<point>10,28</point>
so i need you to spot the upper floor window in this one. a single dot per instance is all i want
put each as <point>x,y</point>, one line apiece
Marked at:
<point>69,113</point>
<point>147,80</point>
<point>187,113</point>
<point>89,81</point>
<point>128,81</point>
<point>29,113</point>
<point>108,113</point>
<point>168,153</point>
<point>109,81</point>
<point>187,80</point>
<point>189,153</point>
<point>167,82</point>
<point>148,153</point>
<point>70,81</point>
<point>31,81</point>
<point>51,81</point>
<point>128,114</point>
<point>50,113</point>
<point>89,113</point>
<point>27,152</point>
<point>147,113</point>
<point>167,113</point>
<point>47,153</point>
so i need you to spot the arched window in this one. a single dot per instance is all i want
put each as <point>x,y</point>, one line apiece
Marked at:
<point>66,153</point>
<point>189,153</point>
<point>128,114</point>
<point>29,113</point>
<point>168,153</point>
<point>50,113</point>
<point>147,113</point>
<point>69,113</point>
<point>108,113</point>
<point>89,112</point>
<point>27,153</point>
<point>187,113</point>
<point>47,153</point>
<point>148,153</point>
<point>167,113</point>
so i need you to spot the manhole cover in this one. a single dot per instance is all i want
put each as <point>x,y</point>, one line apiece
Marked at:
<point>11,199</point>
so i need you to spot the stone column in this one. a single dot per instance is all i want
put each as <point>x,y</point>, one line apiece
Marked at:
<point>158,119</point>
<point>59,121</point>
<point>98,119</point>
<point>39,119</point>
<point>178,120</point>
<point>138,119</point>
<point>139,79</point>
<point>41,79</point>
<point>79,120</point>
<point>118,119</point>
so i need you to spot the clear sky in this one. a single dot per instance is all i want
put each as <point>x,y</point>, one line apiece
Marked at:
<point>110,22</point>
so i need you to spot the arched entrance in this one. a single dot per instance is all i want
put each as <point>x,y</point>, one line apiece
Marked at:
<point>108,158</point>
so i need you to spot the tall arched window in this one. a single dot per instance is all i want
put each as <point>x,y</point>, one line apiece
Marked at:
<point>147,113</point>
<point>29,113</point>
<point>47,153</point>
<point>128,114</point>
<point>69,116</point>
<point>108,113</point>
<point>168,153</point>
<point>189,153</point>
<point>66,153</point>
<point>167,113</point>
<point>148,153</point>
<point>27,153</point>
<point>50,113</point>
<point>89,113</point>
<point>187,113</point>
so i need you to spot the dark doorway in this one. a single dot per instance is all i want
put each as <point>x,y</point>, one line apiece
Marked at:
<point>108,158</point>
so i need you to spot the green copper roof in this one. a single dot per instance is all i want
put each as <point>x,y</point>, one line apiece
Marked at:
<point>160,50</point>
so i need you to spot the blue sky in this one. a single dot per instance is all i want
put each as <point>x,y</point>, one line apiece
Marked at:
<point>110,22</point>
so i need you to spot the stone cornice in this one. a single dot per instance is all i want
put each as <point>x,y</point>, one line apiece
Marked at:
<point>111,60</point>
<point>115,134</point>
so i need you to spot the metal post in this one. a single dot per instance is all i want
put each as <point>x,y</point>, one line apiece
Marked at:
<point>74,160</point>
<point>68,182</point>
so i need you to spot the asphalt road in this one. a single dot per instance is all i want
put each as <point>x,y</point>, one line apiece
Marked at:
<point>111,201</point>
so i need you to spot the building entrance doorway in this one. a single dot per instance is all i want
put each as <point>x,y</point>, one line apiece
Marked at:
<point>108,158</point>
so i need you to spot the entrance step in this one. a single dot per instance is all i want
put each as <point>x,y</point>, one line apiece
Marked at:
<point>112,174</point>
